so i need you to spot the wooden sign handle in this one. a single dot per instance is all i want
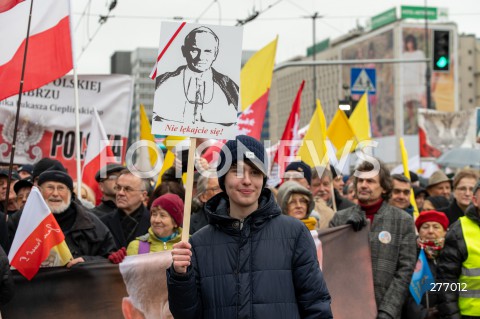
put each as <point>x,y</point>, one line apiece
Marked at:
<point>189,190</point>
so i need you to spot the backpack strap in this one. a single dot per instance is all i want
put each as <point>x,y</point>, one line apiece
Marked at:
<point>143,247</point>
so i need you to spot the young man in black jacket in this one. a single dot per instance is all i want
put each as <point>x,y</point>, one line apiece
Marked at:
<point>250,261</point>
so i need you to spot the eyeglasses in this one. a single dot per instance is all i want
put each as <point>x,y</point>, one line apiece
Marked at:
<point>464,189</point>
<point>126,189</point>
<point>51,188</point>
<point>213,189</point>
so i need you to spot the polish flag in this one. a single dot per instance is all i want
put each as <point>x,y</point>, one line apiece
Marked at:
<point>98,154</point>
<point>289,144</point>
<point>38,237</point>
<point>49,54</point>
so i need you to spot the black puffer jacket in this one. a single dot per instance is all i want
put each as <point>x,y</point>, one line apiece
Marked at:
<point>450,262</point>
<point>265,267</point>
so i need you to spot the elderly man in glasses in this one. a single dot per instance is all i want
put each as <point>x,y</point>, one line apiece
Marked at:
<point>131,218</point>
<point>86,236</point>
<point>106,178</point>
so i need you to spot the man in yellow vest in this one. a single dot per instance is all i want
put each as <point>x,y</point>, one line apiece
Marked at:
<point>459,265</point>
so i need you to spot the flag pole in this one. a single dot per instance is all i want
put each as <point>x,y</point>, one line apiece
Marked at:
<point>78,149</point>
<point>17,116</point>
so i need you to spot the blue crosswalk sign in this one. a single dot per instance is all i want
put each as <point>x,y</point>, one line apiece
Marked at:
<point>361,80</point>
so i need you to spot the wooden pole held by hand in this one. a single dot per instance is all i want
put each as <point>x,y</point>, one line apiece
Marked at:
<point>189,190</point>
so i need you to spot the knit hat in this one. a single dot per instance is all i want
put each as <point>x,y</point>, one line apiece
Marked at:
<point>56,176</point>
<point>301,167</point>
<point>287,190</point>
<point>438,202</point>
<point>47,163</point>
<point>107,170</point>
<point>26,182</point>
<point>249,149</point>
<point>4,173</point>
<point>25,168</point>
<point>417,190</point>
<point>432,216</point>
<point>437,178</point>
<point>173,204</point>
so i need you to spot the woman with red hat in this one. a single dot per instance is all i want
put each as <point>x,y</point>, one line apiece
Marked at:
<point>166,219</point>
<point>432,227</point>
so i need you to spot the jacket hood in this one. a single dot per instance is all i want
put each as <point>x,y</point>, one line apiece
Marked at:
<point>217,211</point>
<point>285,192</point>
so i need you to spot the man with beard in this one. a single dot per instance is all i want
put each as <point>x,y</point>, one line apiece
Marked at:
<point>86,236</point>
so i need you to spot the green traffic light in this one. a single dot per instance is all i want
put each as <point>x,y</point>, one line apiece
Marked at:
<point>442,62</point>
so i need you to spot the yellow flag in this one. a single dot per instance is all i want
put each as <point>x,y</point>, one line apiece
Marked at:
<point>406,172</point>
<point>256,74</point>
<point>170,143</point>
<point>146,134</point>
<point>360,119</point>
<point>313,150</point>
<point>340,131</point>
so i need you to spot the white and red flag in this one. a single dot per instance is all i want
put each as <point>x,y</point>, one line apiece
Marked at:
<point>49,54</point>
<point>98,154</point>
<point>289,144</point>
<point>38,237</point>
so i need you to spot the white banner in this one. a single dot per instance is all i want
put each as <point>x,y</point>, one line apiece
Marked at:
<point>47,118</point>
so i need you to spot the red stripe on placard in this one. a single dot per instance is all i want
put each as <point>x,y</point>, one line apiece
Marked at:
<point>154,75</point>
<point>171,40</point>
<point>36,248</point>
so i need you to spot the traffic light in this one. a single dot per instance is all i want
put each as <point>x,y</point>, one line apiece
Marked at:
<point>441,50</point>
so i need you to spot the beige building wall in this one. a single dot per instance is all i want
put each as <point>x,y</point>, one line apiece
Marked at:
<point>285,84</point>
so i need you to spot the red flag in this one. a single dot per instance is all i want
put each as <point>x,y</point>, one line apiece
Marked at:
<point>49,53</point>
<point>38,236</point>
<point>290,133</point>
<point>98,154</point>
<point>250,121</point>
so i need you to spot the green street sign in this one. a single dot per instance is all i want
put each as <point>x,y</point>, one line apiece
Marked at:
<point>319,47</point>
<point>384,18</point>
<point>414,12</point>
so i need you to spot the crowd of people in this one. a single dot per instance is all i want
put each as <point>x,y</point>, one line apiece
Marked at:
<point>253,250</point>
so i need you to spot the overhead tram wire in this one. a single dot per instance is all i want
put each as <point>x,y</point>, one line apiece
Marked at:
<point>84,14</point>
<point>101,21</point>
<point>255,14</point>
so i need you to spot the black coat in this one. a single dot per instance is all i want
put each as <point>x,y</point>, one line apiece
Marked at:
<point>113,222</point>
<point>412,310</point>
<point>89,237</point>
<point>450,262</point>
<point>105,208</point>
<point>453,211</point>
<point>6,280</point>
<point>340,201</point>
<point>265,267</point>
<point>198,220</point>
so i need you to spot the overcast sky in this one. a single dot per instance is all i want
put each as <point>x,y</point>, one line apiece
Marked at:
<point>136,23</point>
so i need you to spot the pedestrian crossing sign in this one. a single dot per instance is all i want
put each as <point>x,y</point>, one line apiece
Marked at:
<point>361,80</point>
